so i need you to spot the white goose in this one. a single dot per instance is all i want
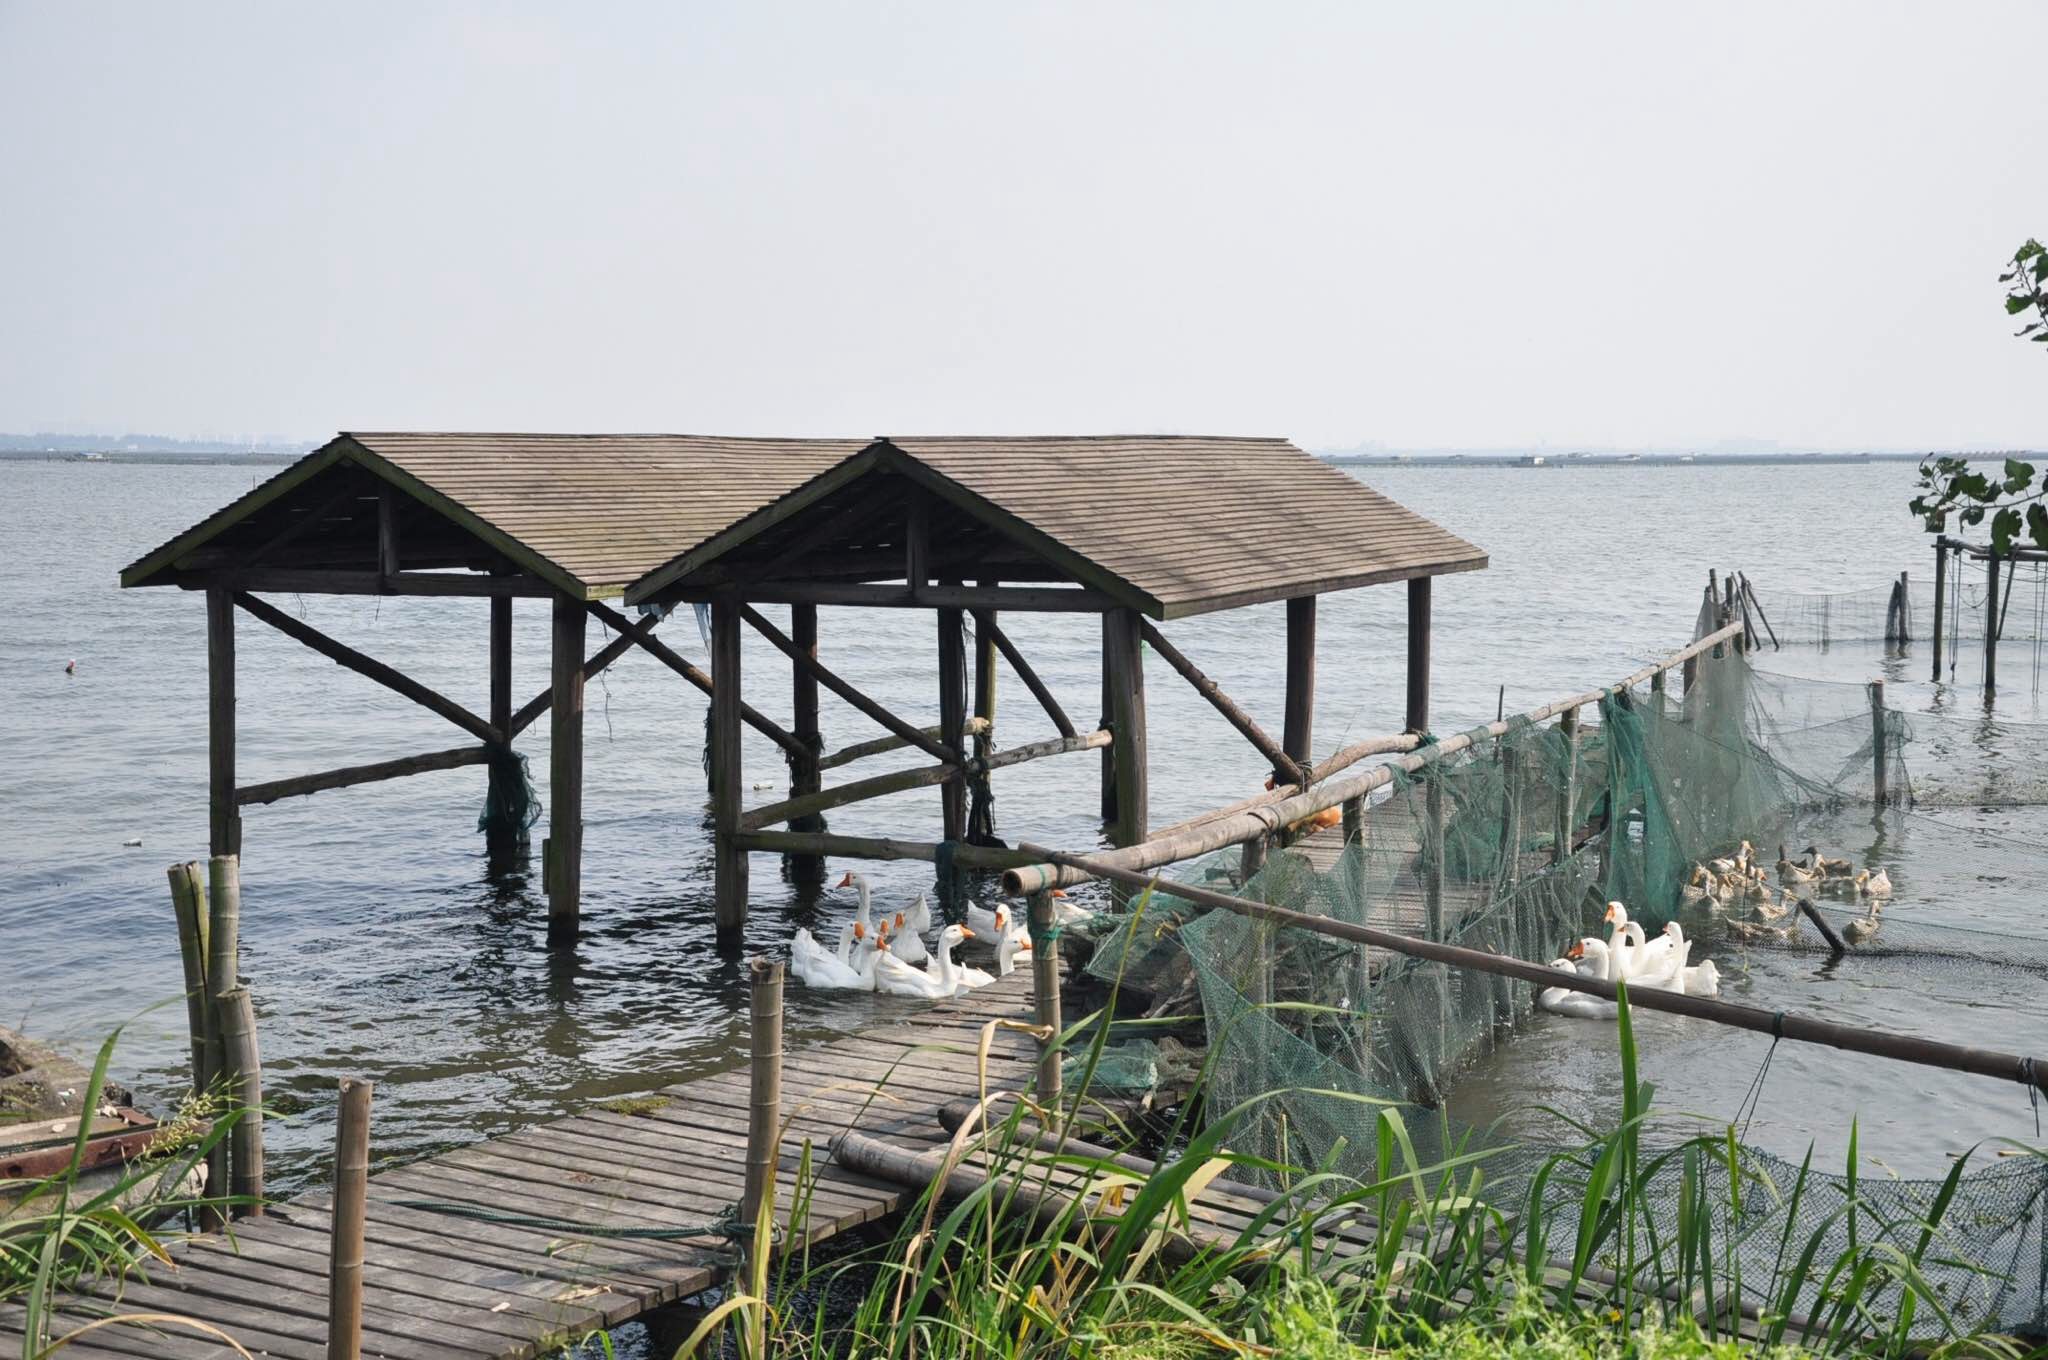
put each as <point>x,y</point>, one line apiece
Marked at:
<point>817,967</point>
<point>1577,1005</point>
<point>941,979</point>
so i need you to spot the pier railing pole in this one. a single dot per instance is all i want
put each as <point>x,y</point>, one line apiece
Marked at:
<point>345,1222</point>
<point>1045,995</point>
<point>764,1101</point>
<point>245,1081</point>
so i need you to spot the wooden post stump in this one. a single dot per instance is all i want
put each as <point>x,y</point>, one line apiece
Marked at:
<point>345,1225</point>
<point>245,1082</point>
<point>764,1103</point>
<point>1045,995</point>
<point>189,905</point>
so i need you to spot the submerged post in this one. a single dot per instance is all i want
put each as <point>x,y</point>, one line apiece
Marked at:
<point>729,862</point>
<point>1045,994</point>
<point>564,868</point>
<point>345,1223</point>
<point>1991,622</point>
<point>224,819</point>
<point>245,1081</point>
<point>764,1101</point>
<point>1940,590</point>
<point>1877,744</point>
<point>501,839</point>
<point>1418,654</point>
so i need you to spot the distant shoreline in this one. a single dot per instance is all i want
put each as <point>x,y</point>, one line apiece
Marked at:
<point>224,458</point>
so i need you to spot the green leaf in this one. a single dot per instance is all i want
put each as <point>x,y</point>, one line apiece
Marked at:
<point>1974,515</point>
<point>2004,526</point>
<point>2041,269</point>
<point>2018,476</point>
<point>2027,252</point>
<point>2017,303</point>
<point>2037,524</point>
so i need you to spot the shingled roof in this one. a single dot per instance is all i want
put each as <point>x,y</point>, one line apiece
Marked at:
<point>1174,525</point>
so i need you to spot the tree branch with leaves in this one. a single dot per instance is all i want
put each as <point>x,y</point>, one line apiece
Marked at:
<point>2014,501</point>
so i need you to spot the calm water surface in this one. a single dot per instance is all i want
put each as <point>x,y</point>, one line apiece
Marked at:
<point>377,946</point>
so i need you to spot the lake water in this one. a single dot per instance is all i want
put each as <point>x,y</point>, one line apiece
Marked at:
<point>377,946</point>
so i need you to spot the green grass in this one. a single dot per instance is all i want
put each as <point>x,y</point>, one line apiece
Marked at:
<point>1619,1250</point>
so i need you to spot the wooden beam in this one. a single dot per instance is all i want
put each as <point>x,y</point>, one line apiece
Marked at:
<point>898,781</point>
<point>387,676</point>
<point>822,843</point>
<point>1298,733</point>
<point>915,736</point>
<point>729,862</point>
<point>299,785</point>
<point>1127,722</point>
<point>565,776</point>
<point>224,823</point>
<point>642,634</point>
<point>860,750</point>
<point>858,594</point>
<point>985,622</point>
<point>1418,654</point>
<point>804,771</point>
<point>1285,769</point>
<point>599,660</point>
<point>953,717</point>
<point>315,581</point>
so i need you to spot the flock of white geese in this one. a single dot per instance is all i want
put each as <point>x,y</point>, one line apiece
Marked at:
<point>1719,885</point>
<point>891,955</point>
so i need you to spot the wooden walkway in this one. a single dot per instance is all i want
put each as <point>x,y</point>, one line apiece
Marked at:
<point>441,1285</point>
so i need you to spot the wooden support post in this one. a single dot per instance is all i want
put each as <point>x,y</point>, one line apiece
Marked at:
<point>1878,754</point>
<point>1940,603</point>
<point>729,862</point>
<point>1127,726</point>
<point>1252,858</point>
<point>1433,856</point>
<point>387,531</point>
<point>1567,794</point>
<point>1510,815</point>
<point>1354,847</point>
<point>764,1103</point>
<point>1045,997</point>
<point>985,680</point>
<point>1418,654</point>
<point>1659,698</point>
<point>224,819</point>
<point>1991,622</point>
<point>1298,734</point>
<point>345,1224</point>
<point>564,869</point>
<point>953,717</point>
<point>805,776</point>
<point>501,841</point>
<point>1108,720</point>
<point>245,1085</point>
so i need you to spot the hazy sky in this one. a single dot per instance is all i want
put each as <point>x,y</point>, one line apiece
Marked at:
<point>1417,223</point>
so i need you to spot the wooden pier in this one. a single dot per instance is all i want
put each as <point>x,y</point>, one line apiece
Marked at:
<point>444,1284</point>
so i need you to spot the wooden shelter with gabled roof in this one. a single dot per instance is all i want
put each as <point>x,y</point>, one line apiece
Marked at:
<point>1141,530</point>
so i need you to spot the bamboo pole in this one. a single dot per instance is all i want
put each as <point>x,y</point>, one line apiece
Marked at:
<point>345,1226</point>
<point>1567,796</point>
<point>245,1079</point>
<point>223,959</point>
<point>764,1103</point>
<point>825,677</point>
<point>876,746</point>
<point>1878,753</point>
<point>1045,996</point>
<point>1216,833</point>
<point>191,917</point>
<point>1749,593</point>
<point>985,620</point>
<point>1783,1024</point>
<point>1940,592</point>
<point>1283,764</point>
<point>1820,923</point>
<point>897,781</point>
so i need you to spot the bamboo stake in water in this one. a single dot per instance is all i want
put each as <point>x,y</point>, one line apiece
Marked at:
<point>764,1104</point>
<point>223,934</point>
<point>245,1084</point>
<point>345,1225</point>
<point>1045,996</point>
<point>185,903</point>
